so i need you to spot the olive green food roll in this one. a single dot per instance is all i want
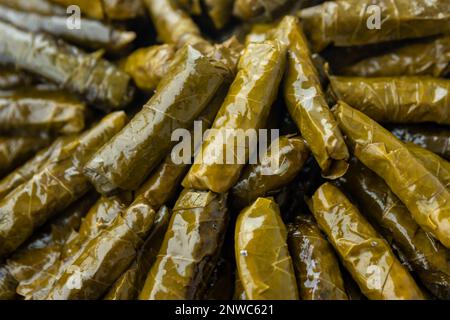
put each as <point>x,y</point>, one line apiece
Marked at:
<point>396,99</point>
<point>32,110</point>
<point>262,256</point>
<point>126,160</point>
<point>279,165</point>
<point>364,253</point>
<point>425,196</point>
<point>54,187</point>
<point>427,256</point>
<point>193,241</point>
<point>354,22</point>
<point>224,153</point>
<point>315,263</point>
<point>100,82</point>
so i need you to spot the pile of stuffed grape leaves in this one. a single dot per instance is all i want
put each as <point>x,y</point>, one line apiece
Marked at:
<point>224,150</point>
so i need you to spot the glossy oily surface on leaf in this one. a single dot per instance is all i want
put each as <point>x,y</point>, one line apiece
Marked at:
<point>431,58</point>
<point>126,160</point>
<point>34,110</point>
<point>190,248</point>
<point>246,107</point>
<point>315,263</point>
<point>397,99</point>
<point>97,80</point>
<point>54,187</point>
<point>426,255</point>
<point>262,256</point>
<point>352,22</point>
<point>364,253</point>
<point>276,169</point>
<point>424,195</point>
<point>306,102</point>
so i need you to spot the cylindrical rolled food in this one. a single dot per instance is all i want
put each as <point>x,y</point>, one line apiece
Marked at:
<point>106,9</point>
<point>92,33</point>
<point>315,263</point>
<point>432,162</point>
<point>262,256</point>
<point>130,283</point>
<point>306,102</point>
<point>34,110</point>
<point>190,248</point>
<point>276,168</point>
<point>426,256</point>
<point>225,151</point>
<point>437,140</point>
<point>44,250</point>
<point>173,25</point>
<point>126,160</point>
<point>147,66</point>
<point>221,282</point>
<point>359,22</point>
<point>99,217</point>
<point>396,99</point>
<point>102,260</point>
<point>15,150</point>
<point>53,188</point>
<point>97,80</point>
<point>35,164</point>
<point>430,58</point>
<point>424,195</point>
<point>364,253</point>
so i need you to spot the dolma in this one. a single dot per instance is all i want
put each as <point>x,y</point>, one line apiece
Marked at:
<point>426,255</point>
<point>251,9</point>
<point>99,217</point>
<point>315,263</point>
<point>43,7</point>
<point>93,34</point>
<point>306,102</point>
<point>424,195</point>
<point>436,140</point>
<point>147,66</point>
<point>35,164</point>
<point>97,80</point>
<point>126,160</point>
<point>432,162</point>
<point>245,108</point>
<point>173,25</point>
<point>276,168</point>
<point>190,248</point>
<point>11,78</point>
<point>34,110</point>
<point>103,259</point>
<point>15,150</point>
<point>106,9</point>
<point>219,11</point>
<point>354,22</point>
<point>396,99</point>
<point>262,256</point>
<point>130,283</point>
<point>54,187</point>
<point>364,253</point>
<point>7,284</point>
<point>430,58</point>
<point>44,250</point>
